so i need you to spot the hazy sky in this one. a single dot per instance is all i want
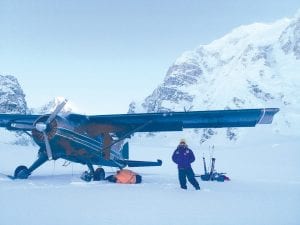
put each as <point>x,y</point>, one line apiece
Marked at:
<point>103,54</point>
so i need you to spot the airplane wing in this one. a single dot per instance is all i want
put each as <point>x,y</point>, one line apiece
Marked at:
<point>17,121</point>
<point>177,121</point>
<point>164,121</point>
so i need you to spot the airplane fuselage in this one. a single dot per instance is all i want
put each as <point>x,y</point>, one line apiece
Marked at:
<point>73,143</point>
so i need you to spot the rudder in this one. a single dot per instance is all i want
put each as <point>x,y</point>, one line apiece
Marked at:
<point>125,151</point>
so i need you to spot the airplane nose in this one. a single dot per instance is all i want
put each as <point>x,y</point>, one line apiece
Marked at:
<point>41,126</point>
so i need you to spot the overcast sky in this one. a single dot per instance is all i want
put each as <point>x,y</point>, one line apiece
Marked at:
<point>101,55</point>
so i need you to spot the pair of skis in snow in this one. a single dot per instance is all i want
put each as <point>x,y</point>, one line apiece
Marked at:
<point>212,175</point>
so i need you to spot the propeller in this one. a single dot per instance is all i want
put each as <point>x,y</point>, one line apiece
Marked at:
<point>42,127</point>
<point>56,111</point>
<point>48,147</point>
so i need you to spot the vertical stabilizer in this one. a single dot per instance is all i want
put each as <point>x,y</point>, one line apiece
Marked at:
<point>125,151</point>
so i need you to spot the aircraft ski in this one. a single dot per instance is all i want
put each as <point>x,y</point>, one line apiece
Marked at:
<point>7,176</point>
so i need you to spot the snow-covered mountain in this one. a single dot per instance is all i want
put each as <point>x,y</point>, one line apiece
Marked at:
<point>12,100</point>
<point>52,104</point>
<point>12,97</point>
<point>253,66</point>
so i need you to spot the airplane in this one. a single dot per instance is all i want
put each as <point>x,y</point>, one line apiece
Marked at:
<point>100,139</point>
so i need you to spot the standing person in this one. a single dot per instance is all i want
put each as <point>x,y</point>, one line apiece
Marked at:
<point>183,157</point>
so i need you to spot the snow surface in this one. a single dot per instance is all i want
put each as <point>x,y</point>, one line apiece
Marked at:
<point>265,186</point>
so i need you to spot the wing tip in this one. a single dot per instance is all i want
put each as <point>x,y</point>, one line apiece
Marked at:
<point>267,115</point>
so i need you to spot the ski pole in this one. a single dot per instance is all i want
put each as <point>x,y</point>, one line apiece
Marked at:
<point>204,164</point>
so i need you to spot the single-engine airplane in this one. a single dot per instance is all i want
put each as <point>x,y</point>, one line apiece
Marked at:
<point>100,139</point>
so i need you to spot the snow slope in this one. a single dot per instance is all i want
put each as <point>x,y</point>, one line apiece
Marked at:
<point>265,188</point>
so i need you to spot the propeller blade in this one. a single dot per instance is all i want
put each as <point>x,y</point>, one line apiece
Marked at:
<point>48,147</point>
<point>22,126</point>
<point>56,111</point>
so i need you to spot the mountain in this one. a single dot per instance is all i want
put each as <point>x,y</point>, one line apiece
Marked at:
<point>12,100</point>
<point>253,66</point>
<point>52,104</point>
<point>12,97</point>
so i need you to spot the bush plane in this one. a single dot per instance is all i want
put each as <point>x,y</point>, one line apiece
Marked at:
<point>100,139</point>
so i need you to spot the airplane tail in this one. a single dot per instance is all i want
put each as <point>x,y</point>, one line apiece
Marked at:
<point>134,163</point>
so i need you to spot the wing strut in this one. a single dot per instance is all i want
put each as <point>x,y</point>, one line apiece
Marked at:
<point>128,134</point>
<point>119,162</point>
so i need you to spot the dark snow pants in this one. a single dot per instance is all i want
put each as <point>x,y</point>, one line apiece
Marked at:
<point>189,174</point>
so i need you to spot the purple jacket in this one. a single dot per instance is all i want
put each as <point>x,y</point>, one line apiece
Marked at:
<point>183,157</point>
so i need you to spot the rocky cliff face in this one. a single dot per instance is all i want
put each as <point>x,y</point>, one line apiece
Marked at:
<point>12,100</point>
<point>12,97</point>
<point>253,66</point>
<point>290,38</point>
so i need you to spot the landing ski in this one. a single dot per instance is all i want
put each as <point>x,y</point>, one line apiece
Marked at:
<point>8,176</point>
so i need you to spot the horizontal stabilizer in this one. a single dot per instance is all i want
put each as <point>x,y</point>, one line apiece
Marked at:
<point>133,163</point>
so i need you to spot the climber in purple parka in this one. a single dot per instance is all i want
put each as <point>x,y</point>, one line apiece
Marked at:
<point>183,157</point>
